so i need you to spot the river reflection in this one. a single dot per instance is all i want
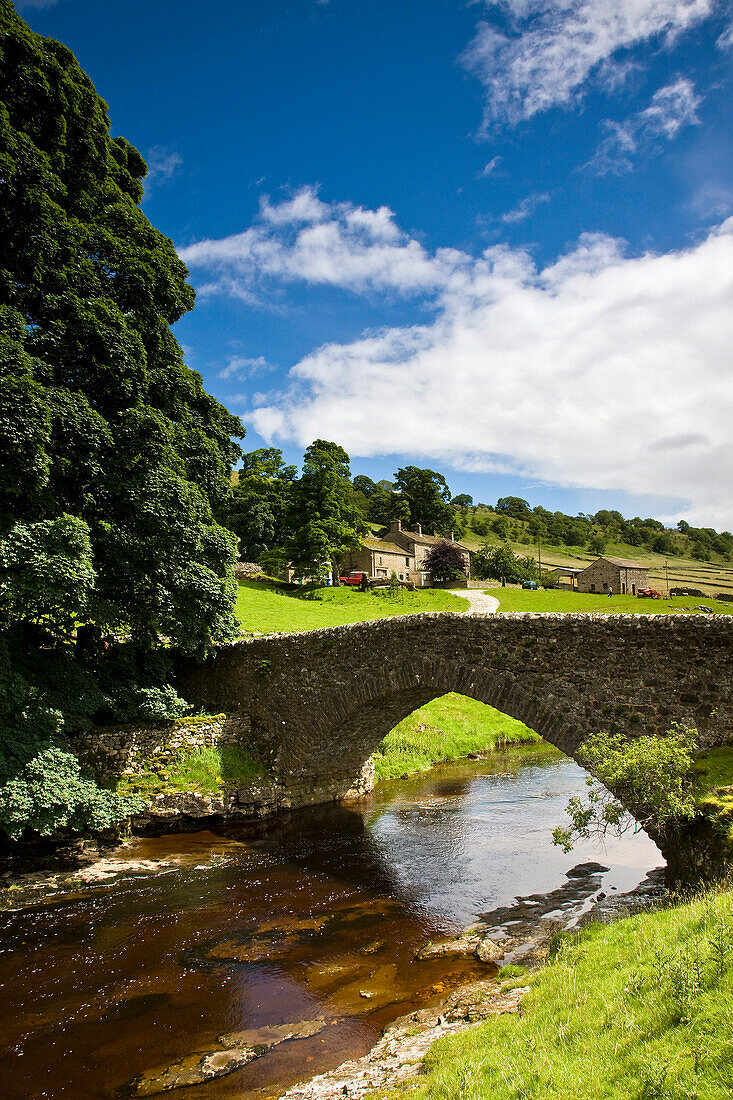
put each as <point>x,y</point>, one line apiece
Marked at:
<point>315,922</point>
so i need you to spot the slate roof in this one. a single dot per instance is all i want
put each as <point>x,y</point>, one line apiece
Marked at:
<point>625,563</point>
<point>430,540</point>
<point>386,547</point>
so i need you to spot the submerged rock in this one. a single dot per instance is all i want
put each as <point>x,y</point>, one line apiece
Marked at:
<point>237,1049</point>
<point>192,1070</point>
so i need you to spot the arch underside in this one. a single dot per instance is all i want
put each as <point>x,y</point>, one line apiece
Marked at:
<point>353,726</point>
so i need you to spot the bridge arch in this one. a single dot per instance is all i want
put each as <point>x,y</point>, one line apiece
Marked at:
<point>349,733</point>
<point>321,702</point>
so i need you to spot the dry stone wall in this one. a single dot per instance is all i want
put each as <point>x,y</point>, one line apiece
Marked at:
<point>114,751</point>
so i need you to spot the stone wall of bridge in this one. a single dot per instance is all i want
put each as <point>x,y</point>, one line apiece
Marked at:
<point>319,703</point>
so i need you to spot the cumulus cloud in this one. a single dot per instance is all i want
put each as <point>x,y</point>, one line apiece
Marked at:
<point>552,47</point>
<point>671,108</point>
<point>306,239</point>
<point>602,370</point>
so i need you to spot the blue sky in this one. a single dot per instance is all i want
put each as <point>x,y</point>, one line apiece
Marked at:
<point>490,238</point>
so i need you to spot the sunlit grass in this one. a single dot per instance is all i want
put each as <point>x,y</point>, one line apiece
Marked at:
<point>637,1010</point>
<point>448,728</point>
<point>262,607</point>
<point>554,599</point>
<point>206,770</point>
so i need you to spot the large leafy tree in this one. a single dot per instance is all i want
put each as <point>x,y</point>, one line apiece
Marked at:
<point>499,563</point>
<point>324,521</point>
<point>112,452</point>
<point>428,497</point>
<point>112,455</point>
<point>257,505</point>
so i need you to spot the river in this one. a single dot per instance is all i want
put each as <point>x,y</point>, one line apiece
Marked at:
<point>312,923</point>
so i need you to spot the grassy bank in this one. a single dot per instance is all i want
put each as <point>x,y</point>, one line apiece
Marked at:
<point>448,728</point>
<point>206,770</point>
<point>264,608</point>
<point>553,599</point>
<point>637,1010</point>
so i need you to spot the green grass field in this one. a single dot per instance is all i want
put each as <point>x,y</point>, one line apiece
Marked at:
<point>641,1009</point>
<point>709,577</point>
<point>448,728</point>
<point>263,608</point>
<point>555,599</point>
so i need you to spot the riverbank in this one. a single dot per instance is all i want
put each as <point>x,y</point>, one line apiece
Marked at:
<point>181,954</point>
<point>530,929</point>
<point>655,992</point>
<point>452,727</point>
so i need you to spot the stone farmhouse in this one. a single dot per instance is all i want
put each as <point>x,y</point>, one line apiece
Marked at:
<point>622,577</point>
<point>398,551</point>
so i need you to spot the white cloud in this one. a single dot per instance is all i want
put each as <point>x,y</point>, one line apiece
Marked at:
<point>553,46</point>
<point>602,370</point>
<point>491,168</point>
<point>304,238</point>
<point>671,108</point>
<point>725,41</point>
<point>712,200</point>
<point>162,164</point>
<point>240,366</point>
<point>525,209</point>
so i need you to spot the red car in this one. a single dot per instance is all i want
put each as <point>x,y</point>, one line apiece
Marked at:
<point>649,594</point>
<point>353,579</point>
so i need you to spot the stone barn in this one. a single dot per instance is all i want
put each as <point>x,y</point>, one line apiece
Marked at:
<point>622,577</point>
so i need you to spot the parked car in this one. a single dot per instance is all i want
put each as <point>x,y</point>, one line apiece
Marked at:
<point>530,584</point>
<point>649,594</point>
<point>353,579</point>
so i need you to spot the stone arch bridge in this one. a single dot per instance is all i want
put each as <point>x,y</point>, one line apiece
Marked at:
<point>319,703</point>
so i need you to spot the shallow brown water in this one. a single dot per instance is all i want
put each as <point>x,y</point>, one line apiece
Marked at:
<point>318,919</point>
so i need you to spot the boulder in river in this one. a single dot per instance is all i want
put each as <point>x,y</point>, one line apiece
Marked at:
<point>584,870</point>
<point>488,951</point>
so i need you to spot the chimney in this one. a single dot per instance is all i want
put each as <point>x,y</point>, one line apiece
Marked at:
<point>416,529</point>
<point>395,527</point>
<point>452,537</point>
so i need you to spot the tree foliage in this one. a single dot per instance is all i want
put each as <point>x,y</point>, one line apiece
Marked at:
<point>323,520</point>
<point>650,777</point>
<point>445,561</point>
<point>428,498</point>
<point>258,503</point>
<point>501,564</point>
<point>110,442</point>
<point>386,505</point>
<point>516,507</point>
<point>112,455</point>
